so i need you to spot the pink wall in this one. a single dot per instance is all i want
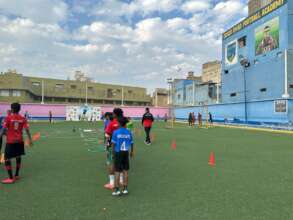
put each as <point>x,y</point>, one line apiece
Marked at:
<point>38,110</point>
<point>138,111</point>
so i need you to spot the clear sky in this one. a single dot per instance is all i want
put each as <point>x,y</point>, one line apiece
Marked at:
<point>133,42</point>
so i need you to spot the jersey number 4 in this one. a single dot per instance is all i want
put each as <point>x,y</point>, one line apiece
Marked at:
<point>123,146</point>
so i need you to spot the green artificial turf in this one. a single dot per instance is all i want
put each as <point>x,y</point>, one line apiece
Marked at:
<point>64,173</point>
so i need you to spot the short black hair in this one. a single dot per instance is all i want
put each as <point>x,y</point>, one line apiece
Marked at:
<point>123,121</point>
<point>147,109</point>
<point>118,112</point>
<point>15,107</point>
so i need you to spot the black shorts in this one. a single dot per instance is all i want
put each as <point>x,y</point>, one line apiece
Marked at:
<point>121,161</point>
<point>14,150</point>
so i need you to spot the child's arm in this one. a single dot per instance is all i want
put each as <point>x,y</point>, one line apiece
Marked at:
<point>29,136</point>
<point>2,132</point>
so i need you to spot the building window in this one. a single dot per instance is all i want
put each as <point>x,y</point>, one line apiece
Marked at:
<point>59,86</point>
<point>291,86</point>
<point>129,91</point>
<point>90,89</point>
<point>36,83</point>
<point>4,93</point>
<point>242,42</point>
<point>109,93</point>
<point>233,94</point>
<point>73,86</point>
<point>118,90</point>
<point>16,93</point>
<point>263,90</point>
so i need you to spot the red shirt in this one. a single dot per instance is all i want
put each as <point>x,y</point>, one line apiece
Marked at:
<point>112,126</point>
<point>14,124</point>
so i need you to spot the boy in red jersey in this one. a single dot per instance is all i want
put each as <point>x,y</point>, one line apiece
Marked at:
<point>111,127</point>
<point>13,126</point>
<point>147,122</point>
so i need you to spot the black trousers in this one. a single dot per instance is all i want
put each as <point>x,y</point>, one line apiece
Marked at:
<point>1,141</point>
<point>147,133</point>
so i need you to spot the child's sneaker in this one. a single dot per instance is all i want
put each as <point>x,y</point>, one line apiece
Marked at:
<point>116,193</point>
<point>109,186</point>
<point>8,181</point>
<point>125,192</point>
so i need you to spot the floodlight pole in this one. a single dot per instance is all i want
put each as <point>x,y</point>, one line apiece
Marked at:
<point>43,92</point>
<point>122,96</point>
<point>245,96</point>
<point>286,94</point>
<point>86,95</point>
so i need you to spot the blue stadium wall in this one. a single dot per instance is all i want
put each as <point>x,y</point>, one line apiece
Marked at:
<point>265,71</point>
<point>258,112</point>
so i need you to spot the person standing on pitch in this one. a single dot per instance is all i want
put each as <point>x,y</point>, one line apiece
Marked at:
<point>50,116</point>
<point>122,145</point>
<point>13,126</point>
<point>147,122</point>
<point>190,119</point>
<point>211,118</point>
<point>112,126</point>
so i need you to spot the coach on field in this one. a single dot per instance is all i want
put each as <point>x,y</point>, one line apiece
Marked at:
<point>147,122</point>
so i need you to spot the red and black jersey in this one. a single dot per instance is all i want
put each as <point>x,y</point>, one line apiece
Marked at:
<point>112,126</point>
<point>14,124</point>
<point>147,120</point>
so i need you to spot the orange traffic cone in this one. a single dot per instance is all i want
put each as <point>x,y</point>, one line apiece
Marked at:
<point>36,136</point>
<point>174,145</point>
<point>212,161</point>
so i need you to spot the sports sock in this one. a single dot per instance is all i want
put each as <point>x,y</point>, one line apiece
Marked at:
<point>18,166</point>
<point>112,179</point>
<point>9,168</point>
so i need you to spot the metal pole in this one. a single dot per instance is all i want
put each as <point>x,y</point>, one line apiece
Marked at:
<point>193,93</point>
<point>245,98</point>
<point>122,96</point>
<point>156,98</point>
<point>43,92</point>
<point>286,94</point>
<point>218,93</point>
<point>86,93</point>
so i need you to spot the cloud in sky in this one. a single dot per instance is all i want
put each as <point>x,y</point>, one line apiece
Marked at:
<point>139,42</point>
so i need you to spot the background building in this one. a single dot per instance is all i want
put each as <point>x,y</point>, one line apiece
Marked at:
<point>16,87</point>
<point>257,69</point>
<point>192,91</point>
<point>160,97</point>
<point>255,5</point>
<point>211,72</point>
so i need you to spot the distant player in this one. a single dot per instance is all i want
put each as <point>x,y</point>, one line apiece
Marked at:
<point>108,117</point>
<point>122,144</point>
<point>1,139</point>
<point>26,115</point>
<point>166,118</point>
<point>130,125</point>
<point>199,118</point>
<point>190,119</point>
<point>112,126</point>
<point>50,116</point>
<point>13,126</point>
<point>193,119</point>
<point>211,118</point>
<point>147,122</point>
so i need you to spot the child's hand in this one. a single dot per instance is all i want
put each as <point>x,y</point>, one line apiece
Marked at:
<point>30,143</point>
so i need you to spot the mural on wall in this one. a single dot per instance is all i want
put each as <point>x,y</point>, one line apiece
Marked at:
<point>267,37</point>
<point>231,54</point>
